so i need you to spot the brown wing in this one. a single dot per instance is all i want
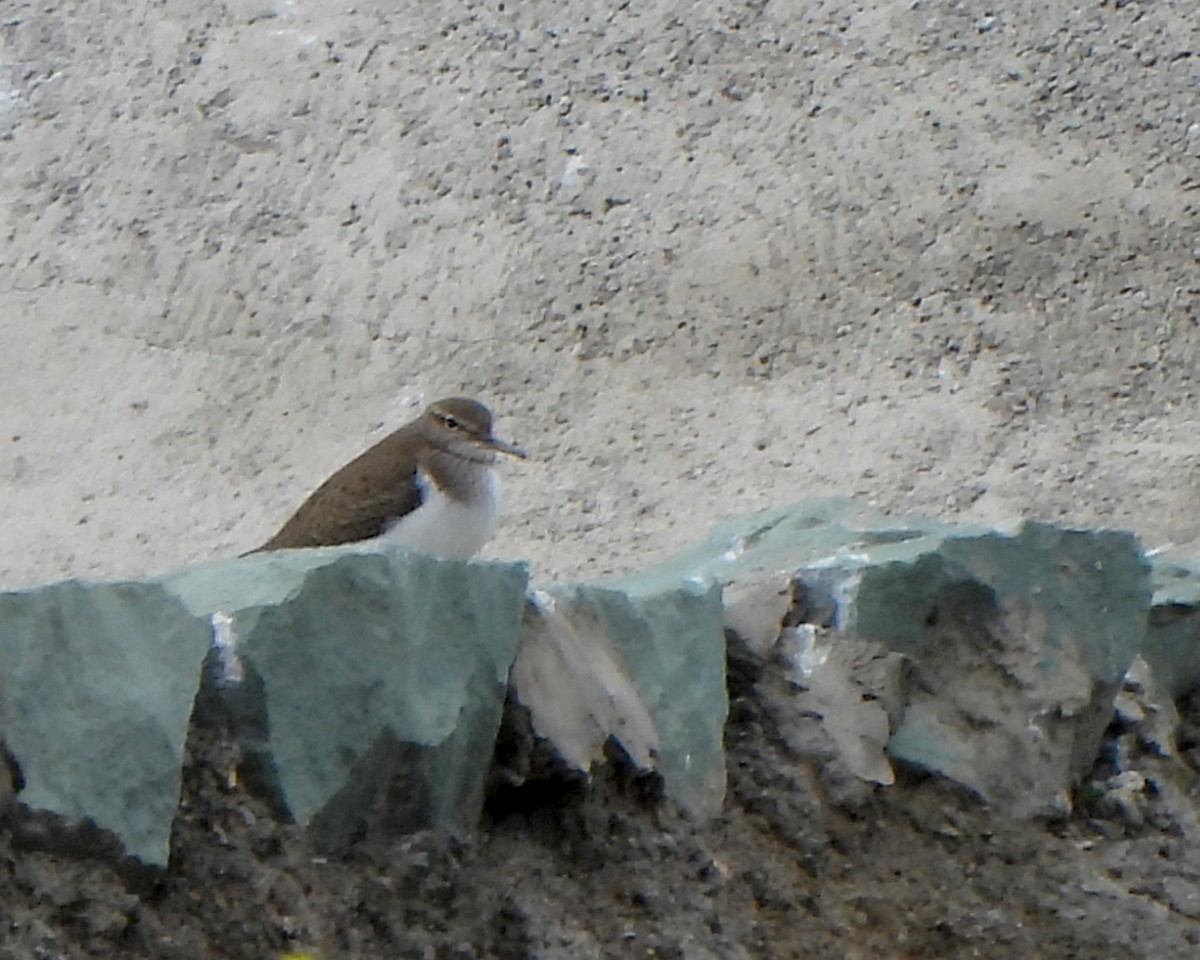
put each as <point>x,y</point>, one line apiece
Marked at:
<point>357,502</point>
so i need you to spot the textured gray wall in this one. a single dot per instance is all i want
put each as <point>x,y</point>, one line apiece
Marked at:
<point>700,257</point>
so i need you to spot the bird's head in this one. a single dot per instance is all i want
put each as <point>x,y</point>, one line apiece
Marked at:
<point>463,427</point>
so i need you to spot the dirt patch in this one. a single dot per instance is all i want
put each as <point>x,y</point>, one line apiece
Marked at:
<point>563,869</point>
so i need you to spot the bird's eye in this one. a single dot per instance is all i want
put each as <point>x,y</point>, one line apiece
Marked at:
<point>452,423</point>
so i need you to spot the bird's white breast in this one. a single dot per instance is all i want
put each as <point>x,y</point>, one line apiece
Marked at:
<point>450,528</point>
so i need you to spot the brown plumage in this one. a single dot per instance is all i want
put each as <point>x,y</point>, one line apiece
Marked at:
<point>449,447</point>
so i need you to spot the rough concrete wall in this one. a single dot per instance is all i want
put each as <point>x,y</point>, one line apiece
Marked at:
<point>701,257</point>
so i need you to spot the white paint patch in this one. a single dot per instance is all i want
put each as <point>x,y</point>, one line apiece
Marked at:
<point>229,661</point>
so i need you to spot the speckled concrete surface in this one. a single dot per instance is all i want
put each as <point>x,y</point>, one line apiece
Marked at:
<point>701,258</point>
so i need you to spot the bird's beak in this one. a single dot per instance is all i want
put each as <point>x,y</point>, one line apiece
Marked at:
<point>504,447</point>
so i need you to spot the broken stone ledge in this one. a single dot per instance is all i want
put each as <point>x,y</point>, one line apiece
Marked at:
<point>370,683</point>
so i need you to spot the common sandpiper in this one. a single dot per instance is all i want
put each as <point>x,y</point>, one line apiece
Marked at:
<point>431,486</point>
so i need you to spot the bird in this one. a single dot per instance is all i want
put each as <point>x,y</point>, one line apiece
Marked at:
<point>429,486</point>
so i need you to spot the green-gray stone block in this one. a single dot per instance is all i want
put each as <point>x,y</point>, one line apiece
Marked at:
<point>1017,639</point>
<point>644,667</point>
<point>382,675</point>
<point>1173,638</point>
<point>1021,640</point>
<point>96,687</point>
